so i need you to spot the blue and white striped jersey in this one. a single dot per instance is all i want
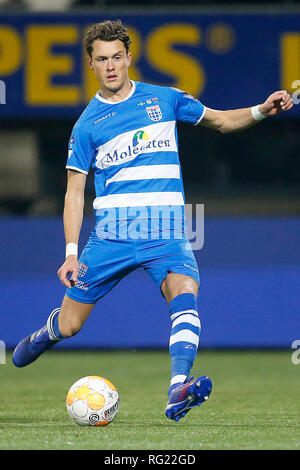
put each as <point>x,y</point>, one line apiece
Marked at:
<point>132,146</point>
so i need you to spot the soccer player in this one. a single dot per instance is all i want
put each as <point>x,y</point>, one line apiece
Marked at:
<point>127,134</point>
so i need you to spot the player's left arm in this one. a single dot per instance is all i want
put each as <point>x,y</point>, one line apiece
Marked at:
<point>239,119</point>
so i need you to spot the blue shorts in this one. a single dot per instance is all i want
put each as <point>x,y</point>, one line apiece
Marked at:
<point>104,262</point>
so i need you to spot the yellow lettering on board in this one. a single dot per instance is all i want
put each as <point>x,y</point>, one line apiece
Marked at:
<point>136,51</point>
<point>187,72</point>
<point>42,64</point>
<point>10,50</point>
<point>290,59</point>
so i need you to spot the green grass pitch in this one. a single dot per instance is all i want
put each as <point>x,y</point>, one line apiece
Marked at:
<point>254,403</point>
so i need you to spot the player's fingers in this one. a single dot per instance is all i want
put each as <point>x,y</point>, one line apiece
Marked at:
<point>73,280</point>
<point>74,276</point>
<point>66,282</point>
<point>63,276</point>
<point>285,99</point>
<point>278,96</point>
<point>287,104</point>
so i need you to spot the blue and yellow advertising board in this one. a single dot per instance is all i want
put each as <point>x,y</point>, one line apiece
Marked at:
<point>226,60</point>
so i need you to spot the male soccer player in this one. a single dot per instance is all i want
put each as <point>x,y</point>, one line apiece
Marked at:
<point>127,134</point>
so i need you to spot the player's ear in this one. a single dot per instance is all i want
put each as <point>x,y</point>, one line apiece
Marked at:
<point>90,62</point>
<point>129,57</point>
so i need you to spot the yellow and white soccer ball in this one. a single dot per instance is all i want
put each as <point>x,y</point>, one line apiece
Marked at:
<point>93,401</point>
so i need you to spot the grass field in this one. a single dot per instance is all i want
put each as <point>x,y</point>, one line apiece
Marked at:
<point>254,403</point>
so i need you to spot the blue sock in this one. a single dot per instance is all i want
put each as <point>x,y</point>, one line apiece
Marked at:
<point>53,327</point>
<point>184,338</point>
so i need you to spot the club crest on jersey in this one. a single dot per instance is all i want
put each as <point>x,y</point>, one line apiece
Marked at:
<point>82,270</point>
<point>154,112</point>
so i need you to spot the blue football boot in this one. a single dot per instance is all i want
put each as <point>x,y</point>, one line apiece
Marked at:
<point>191,393</point>
<point>31,347</point>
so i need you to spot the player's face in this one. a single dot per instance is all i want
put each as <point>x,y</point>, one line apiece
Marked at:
<point>110,63</point>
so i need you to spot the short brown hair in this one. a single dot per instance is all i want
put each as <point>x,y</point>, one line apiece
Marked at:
<point>106,31</point>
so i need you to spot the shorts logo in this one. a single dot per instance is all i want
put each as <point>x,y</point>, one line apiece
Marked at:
<point>191,267</point>
<point>82,270</point>
<point>82,285</point>
<point>154,112</point>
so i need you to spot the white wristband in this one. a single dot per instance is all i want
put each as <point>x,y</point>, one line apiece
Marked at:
<point>71,249</point>
<point>256,114</point>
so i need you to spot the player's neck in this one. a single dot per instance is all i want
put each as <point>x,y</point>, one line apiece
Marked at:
<point>119,95</point>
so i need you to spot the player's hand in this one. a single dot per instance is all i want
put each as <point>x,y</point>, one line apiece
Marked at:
<point>276,103</point>
<point>68,272</point>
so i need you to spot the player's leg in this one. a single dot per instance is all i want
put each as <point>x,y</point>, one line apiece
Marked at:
<point>62,323</point>
<point>174,269</point>
<point>72,316</point>
<point>97,275</point>
<point>176,284</point>
<point>181,291</point>
<point>185,392</point>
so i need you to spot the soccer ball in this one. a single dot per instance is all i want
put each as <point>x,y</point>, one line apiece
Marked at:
<point>93,401</point>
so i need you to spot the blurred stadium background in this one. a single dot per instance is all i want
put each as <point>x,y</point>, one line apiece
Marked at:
<point>229,57</point>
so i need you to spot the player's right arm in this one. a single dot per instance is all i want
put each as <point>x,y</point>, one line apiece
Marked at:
<point>72,219</point>
<point>240,119</point>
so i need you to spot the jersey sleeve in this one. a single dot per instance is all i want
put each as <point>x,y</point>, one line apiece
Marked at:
<point>188,108</point>
<point>80,152</point>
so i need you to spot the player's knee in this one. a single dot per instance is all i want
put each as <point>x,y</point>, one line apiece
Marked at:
<point>182,285</point>
<point>68,329</point>
<point>187,288</point>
